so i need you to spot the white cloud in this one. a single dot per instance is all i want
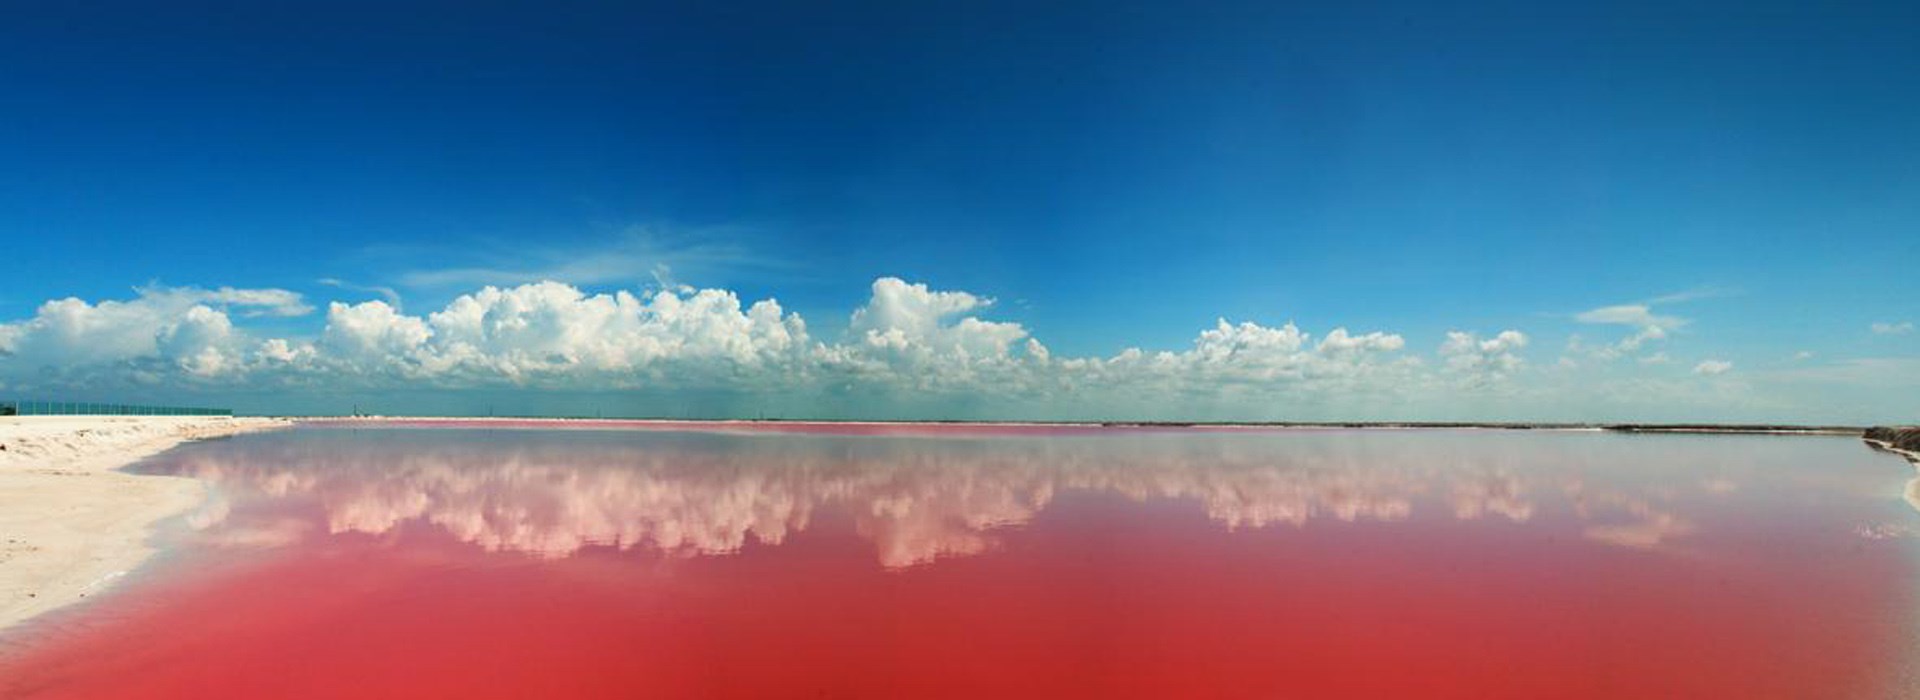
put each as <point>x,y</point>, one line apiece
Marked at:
<point>908,342</point>
<point>1243,362</point>
<point>1706,292</point>
<point>1339,342</point>
<point>1648,326</point>
<point>918,338</point>
<point>1637,315</point>
<point>1885,328</point>
<point>1803,356</point>
<point>907,337</point>
<point>162,329</point>
<point>636,254</point>
<point>1483,361</point>
<point>552,334</point>
<point>909,330</point>
<point>250,302</point>
<point>389,294</point>
<point>1712,367</point>
<point>371,333</point>
<point>200,342</point>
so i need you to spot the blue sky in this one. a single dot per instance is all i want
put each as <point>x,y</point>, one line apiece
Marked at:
<point>1110,175</point>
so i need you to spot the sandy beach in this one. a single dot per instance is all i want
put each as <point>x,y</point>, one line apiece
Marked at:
<point>69,523</point>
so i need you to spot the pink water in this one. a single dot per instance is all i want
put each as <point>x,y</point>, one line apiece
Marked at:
<point>354,561</point>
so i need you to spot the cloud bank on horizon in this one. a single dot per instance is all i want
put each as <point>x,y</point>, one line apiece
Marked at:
<point>908,351</point>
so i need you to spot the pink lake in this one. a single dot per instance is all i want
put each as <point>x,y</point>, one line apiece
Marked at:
<point>512,561</point>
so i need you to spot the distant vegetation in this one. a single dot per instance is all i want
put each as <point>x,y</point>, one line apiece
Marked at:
<point>1900,438</point>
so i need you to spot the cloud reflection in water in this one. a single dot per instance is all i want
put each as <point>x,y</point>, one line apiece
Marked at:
<point>916,499</point>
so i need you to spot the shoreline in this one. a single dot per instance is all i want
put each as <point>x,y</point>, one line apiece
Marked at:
<point>1911,456</point>
<point>589,422</point>
<point>72,523</point>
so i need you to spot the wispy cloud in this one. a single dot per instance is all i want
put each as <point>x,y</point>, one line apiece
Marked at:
<point>1637,315</point>
<point>1648,323</point>
<point>248,302</point>
<point>1712,367</point>
<point>1703,292</point>
<point>1887,328</point>
<point>633,255</point>
<point>392,297</point>
<point>1649,326</point>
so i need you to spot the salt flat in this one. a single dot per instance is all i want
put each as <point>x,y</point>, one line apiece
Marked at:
<point>70,523</point>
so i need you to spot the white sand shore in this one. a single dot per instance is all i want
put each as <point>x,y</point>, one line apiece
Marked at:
<point>1911,456</point>
<point>69,523</point>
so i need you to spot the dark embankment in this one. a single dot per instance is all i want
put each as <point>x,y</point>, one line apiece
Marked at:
<point>1902,439</point>
<point>1733,428</point>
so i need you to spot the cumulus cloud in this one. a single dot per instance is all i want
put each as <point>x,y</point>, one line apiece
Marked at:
<point>553,334</point>
<point>907,337</point>
<point>931,337</point>
<point>162,331</point>
<point>907,342</point>
<point>199,342</point>
<point>1887,328</point>
<point>1712,367</point>
<point>910,335</point>
<point>1483,361</point>
<point>1244,361</point>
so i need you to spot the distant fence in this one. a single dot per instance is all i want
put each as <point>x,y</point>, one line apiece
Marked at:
<point>83,408</point>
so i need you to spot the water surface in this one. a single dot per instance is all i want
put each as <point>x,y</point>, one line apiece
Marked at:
<point>462,561</point>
